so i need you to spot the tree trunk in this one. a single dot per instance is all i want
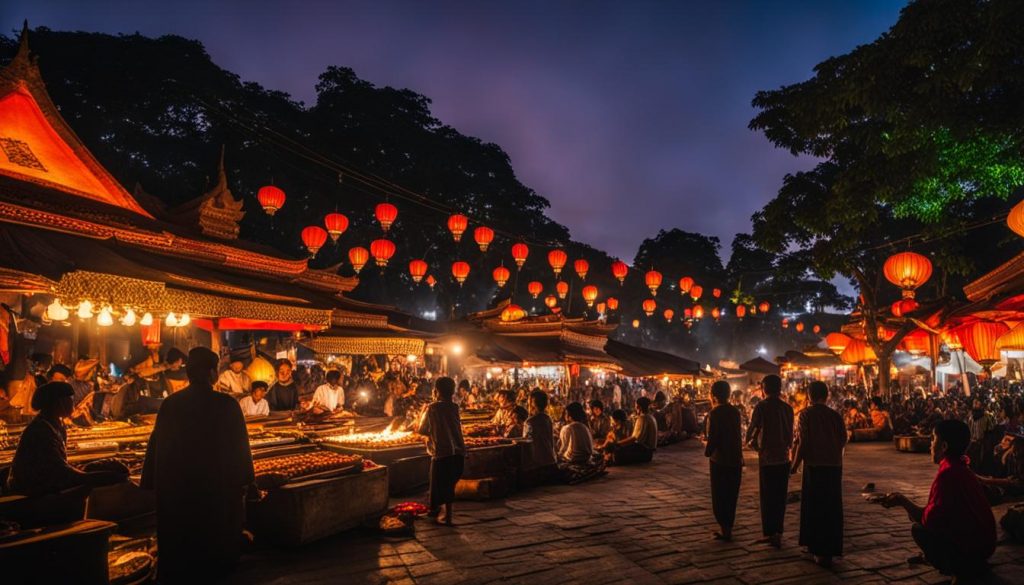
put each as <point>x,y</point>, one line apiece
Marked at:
<point>883,375</point>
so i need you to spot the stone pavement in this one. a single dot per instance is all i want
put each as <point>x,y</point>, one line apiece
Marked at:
<point>647,524</point>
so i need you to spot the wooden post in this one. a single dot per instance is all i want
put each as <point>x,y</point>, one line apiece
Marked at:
<point>215,341</point>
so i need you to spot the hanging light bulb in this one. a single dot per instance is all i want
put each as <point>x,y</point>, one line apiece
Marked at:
<point>105,318</point>
<point>129,318</point>
<point>171,320</point>
<point>184,320</point>
<point>146,320</point>
<point>56,311</point>
<point>85,310</point>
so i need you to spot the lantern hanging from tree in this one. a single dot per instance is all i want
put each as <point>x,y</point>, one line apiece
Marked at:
<point>837,342</point>
<point>386,215</point>
<point>590,294</point>
<point>695,292</point>
<point>917,342</point>
<point>431,281</point>
<point>417,269</point>
<point>314,237</point>
<point>457,225</point>
<point>620,270</point>
<point>562,288</point>
<point>336,224</point>
<point>535,288</point>
<point>358,256</point>
<point>858,352</point>
<point>668,314</point>
<point>382,251</point>
<point>557,259</point>
<point>1016,218</point>
<point>716,313</point>
<point>649,306</point>
<point>613,304</point>
<point>764,306</point>
<point>519,253</point>
<point>741,311</point>
<point>501,275</point>
<point>904,306</point>
<point>582,267</point>
<point>483,236</point>
<point>907,270</point>
<point>716,292</point>
<point>271,199</point>
<point>653,280</point>
<point>685,284</point>
<point>460,270</point>
<point>979,340</point>
<point>512,313</point>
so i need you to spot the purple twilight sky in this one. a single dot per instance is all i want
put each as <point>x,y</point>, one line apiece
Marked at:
<point>629,117</point>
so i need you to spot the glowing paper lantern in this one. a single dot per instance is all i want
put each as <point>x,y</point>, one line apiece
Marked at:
<point>785,323</point>
<point>105,318</point>
<point>1012,340</point>
<point>551,301</point>
<point>857,352</point>
<point>979,340</point>
<point>799,327</point>
<point>519,253</point>
<point>716,292</point>
<point>562,288</point>
<point>417,269</point>
<point>431,281</point>
<point>903,307</point>
<point>483,236</point>
<point>590,294</point>
<point>512,313</point>
<point>698,312</point>
<point>56,311</point>
<point>129,318</point>
<point>668,314</point>
<point>1016,218</point>
<point>741,311</point>
<point>620,270</point>
<point>602,308</point>
<point>501,275</point>
<point>581,267</point>
<point>314,238</point>
<point>764,306</point>
<point>695,291</point>
<point>386,215</point>
<point>688,313</point>
<point>271,199</point>
<point>917,342</point>
<point>685,284</point>
<point>460,270</point>
<point>382,251</point>
<point>457,226</point>
<point>837,342</point>
<point>535,288</point>
<point>649,306</point>
<point>636,323</point>
<point>613,304</point>
<point>653,280</point>
<point>716,313</point>
<point>336,224</point>
<point>557,259</point>
<point>907,270</point>
<point>952,340</point>
<point>358,257</point>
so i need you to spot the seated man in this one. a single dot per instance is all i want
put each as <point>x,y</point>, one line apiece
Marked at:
<point>881,424</point>
<point>598,421</point>
<point>329,397</point>
<point>639,447</point>
<point>515,430</point>
<point>504,416</point>
<point>853,418</point>
<point>575,443</point>
<point>255,404</point>
<point>1011,484</point>
<point>956,529</point>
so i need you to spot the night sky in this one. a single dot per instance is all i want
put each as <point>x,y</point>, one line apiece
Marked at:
<point>629,117</point>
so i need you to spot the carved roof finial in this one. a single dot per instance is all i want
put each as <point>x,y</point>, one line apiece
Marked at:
<point>24,53</point>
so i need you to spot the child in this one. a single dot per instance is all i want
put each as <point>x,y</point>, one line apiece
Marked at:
<point>254,404</point>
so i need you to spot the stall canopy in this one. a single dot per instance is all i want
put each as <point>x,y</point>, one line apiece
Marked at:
<point>759,365</point>
<point>805,360</point>
<point>643,362</point>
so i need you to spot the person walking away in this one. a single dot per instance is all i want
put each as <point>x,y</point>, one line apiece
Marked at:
<point>725,453</point>
<point>199,463</point>
<point>771,434</point>
<point>446,446</point>
<point>956,530</point>
<point>820,440</point>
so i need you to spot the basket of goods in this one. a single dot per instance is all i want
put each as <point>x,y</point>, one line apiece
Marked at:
<point>277,471</point>
<point>130,568</point>
<point>392,525</point>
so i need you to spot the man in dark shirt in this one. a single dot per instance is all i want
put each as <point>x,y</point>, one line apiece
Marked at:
<point>284,393</point>
<point>725,452</point>
<point>198,461</point>
<point>771,434</point>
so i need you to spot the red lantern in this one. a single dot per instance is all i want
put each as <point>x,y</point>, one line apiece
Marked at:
<point>460,270</point>
<point>417,269</point>
<point>613,304</point>
<point>907,270</point>
<point>602,308</point>
<point>314,237</point>
<point>917,342</point>
<point>688,313</point>
<point>837,342</point>
<point>1016,218</point>
<point>552,303</point>
<point>557,259</point>
<point>382,251</point>
<point>764,306</point>
<point>716,292</point>
<point>885,333</point>
<point>653,280</point>
<point>857,351</point>
<point>501,275</point>
<point>716,313</point>
<point>799,327</point>
<point>431,281</point>
<point>649,306</point>
<point>741,311</point>
<point>535,288</point>
<point>685,284</point>
<point>483,236</point>
<point>698,312</point>
<point>457,226</point>
<point>668,314</point>
<point>386,215</point>
<point>336,224</point>
<point>695,291</point>
<point>785,323</point>
<point>512,313</point>
<point>979,340</point>
<point>816,329</point>
<point>590,294</point>
<point>620,270</point>
<point>581,266</point>
<point>903,307</point>
<point>562,288</point>
<point>271,199</point>
<point>358,257</point>
<point>519,253</point>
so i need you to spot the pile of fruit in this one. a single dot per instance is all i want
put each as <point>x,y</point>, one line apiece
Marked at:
<point>292,466</point>
<point>383,440</point>
<point>479,430</point>
<point>478,442</point>
<point>414,508</point>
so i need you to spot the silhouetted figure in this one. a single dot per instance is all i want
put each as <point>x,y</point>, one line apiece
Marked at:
<point>199,463</point>
<point>445,445</point>
<point>771,434</point>
<point>725,451</point>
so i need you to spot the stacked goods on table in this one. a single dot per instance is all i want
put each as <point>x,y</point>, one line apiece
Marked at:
<point>388,439</point>
<point>276,471</point>
<point>481,442</point>
<point>479,430</point>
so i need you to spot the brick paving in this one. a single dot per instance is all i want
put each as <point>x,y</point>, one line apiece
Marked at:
<point>647,524</point>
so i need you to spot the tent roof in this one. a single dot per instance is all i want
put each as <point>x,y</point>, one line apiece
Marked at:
<point>640,361</point>
<point>759,365</point>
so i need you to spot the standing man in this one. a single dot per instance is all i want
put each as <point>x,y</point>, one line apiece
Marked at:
<point>725,451</point>
<point>821,438</point>
<point>442,427</point>
<point>771,434</point>
<point>199,463</point>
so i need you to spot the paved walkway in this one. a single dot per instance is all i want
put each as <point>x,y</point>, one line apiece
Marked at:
<point>648,524</point>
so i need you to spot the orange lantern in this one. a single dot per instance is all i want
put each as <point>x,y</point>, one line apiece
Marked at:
<point>386,215</point>
<point>535,288</point>
<point>483,236</point>
<point>336,224</point>
<point>417,269</point>
<point>716,313</point>
<point>857,351</point>
<point>764,306</point>
<point>557,259</point>
<point>952,340</point>
<point>590,294</point>
<point>620,270</point>
<point>698,312</point>
<point>695,291</point>
<point>613,304</point>
<point>979,340</point>
<point>741,311</point>
<point>151,333</point>
<point>907,270</point>
<point>271,199</point>
<point>837,342</point>
<point>688,313</point>
<point>1013,340</point>
<point>314,237</point>
<point>582,267</point>
<point>552,303</point>
<point>685,284</point>
<point>636,323</point>
<point>716,292</point>
<point>358,256</point>
<point>457,225</point>
<point>785,323</point>
<point>903,307</point>
<point>519,253</point>
<point>382,251</point>
<point>512,313</point>
<point>431,281</point>
<point>1016,219</point>
<point>460,270</point>
<point>562,288</point>
<point>653,280</point>
<point>501,275</point>
<point>799,327</point>
<point>668,314</point>
<point>649,306</point>
<point>816,329</point>
<point>602,308</point>
<point>917,342</point>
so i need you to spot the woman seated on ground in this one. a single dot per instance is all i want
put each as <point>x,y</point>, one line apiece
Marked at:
<point>575,443</point>
<point>40,464</point>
